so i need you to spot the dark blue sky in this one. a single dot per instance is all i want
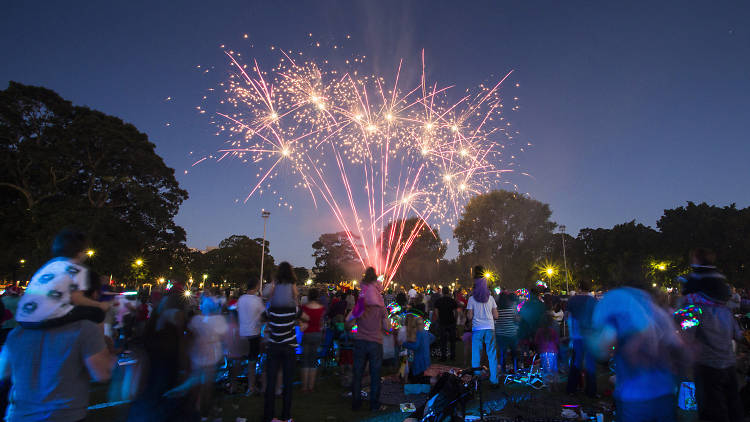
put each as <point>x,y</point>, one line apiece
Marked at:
<point>632,107</point>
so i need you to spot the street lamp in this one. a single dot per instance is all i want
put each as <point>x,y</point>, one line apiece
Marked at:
<point>138,262</point>
<point>265,214</point>
<point>565,259</point>
<point>90,253</point>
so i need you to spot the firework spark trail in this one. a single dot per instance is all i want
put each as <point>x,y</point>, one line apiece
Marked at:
<point>373,153</point>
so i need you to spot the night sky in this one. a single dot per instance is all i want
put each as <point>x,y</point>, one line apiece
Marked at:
<point>631,107</point>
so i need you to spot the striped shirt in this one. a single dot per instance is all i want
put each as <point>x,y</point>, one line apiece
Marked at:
<point>506,324</point>
<point>280,328</point>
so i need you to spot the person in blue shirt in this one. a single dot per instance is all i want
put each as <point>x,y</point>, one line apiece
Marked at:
<point>648,354</point>
<point>418,340</point>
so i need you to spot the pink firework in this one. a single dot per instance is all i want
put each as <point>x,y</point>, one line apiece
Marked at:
<point>372,152</point>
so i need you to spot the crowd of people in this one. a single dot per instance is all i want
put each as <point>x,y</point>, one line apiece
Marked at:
<point>166,347</point>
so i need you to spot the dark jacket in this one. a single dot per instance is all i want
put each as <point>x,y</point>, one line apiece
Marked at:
<point>707,280</point>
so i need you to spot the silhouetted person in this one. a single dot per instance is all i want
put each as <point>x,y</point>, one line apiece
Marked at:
<point>716,386</point>
<point>445,308</point>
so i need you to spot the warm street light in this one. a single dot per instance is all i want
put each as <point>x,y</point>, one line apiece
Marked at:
<point>309,281</point>
<point>550,271</point>
<point>23,261</point>
<point>138,262</point>
<point>659,265</point>
<point>205,276</point>
<point>90,253</point>
<point>161,280</point>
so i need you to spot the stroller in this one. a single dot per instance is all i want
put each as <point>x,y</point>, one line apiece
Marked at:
<point>449,396</point>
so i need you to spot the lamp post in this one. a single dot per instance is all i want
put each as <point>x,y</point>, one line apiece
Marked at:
<point>565,260</point>
<point>138,268</point>
<point>265,214</point>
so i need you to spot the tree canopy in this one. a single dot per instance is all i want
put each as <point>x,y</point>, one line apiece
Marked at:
<point>69,166</point>
<point>611,255</point>
<point>335,258</point>
<point>725,230</point>
<point>421,261</point>
<point>237,259</point>
<point>506,232</point>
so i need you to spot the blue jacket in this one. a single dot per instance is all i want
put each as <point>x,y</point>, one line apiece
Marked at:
<point>421,349</point>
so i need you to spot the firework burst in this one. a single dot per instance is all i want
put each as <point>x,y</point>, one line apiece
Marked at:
<point>369,150</point>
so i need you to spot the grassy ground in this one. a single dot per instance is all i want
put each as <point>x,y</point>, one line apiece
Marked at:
<point>328,404</point>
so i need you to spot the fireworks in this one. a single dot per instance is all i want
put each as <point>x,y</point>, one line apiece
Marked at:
<point>368,149</point>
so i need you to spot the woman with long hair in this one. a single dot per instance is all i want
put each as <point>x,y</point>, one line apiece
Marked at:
<point>482,311</point>
<point>312,314</point>
<point>418,340</point>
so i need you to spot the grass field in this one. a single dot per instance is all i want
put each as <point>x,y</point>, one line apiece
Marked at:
<point>328,404</point>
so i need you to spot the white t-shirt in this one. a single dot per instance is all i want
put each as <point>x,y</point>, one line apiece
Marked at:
<point>412,294</point>
<point>209,331</point>
<point>48,293</point>
<point>249,310</point>
<point>483,319</point>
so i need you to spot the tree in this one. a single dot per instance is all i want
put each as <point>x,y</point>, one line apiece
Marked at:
<point>421,261</point>
<point>575,262</point>
<point>507,233</point>
<point>725,230</point>
<point>237,259</point>
<point>336,258</point>
<point>612,255</point>
<point>64,165</point>
<point>302,274</point>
